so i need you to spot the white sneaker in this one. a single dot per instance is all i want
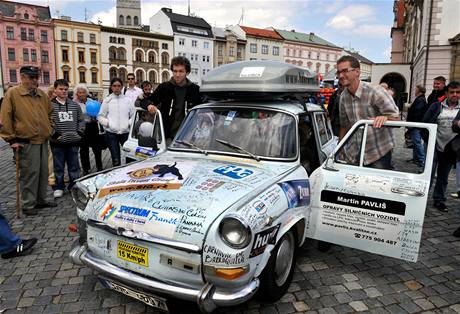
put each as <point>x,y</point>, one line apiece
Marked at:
<point>58,193</point>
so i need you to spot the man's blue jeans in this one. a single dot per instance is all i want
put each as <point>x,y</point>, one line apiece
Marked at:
<point>8,240</point>
<point>62,155</point>
<point>114,141</point>
<point>418,153</point>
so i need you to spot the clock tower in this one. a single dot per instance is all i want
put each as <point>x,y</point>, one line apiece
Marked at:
<point>129,14</point>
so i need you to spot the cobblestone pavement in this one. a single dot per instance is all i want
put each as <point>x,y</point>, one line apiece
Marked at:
<point>341,280</point>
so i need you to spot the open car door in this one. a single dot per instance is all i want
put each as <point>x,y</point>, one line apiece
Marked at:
<point>146,136</point>
<point>375,210</point>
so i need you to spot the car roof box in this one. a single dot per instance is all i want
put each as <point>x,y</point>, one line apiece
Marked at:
<point>258,79</point>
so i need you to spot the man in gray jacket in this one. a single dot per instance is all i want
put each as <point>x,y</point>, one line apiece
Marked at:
<point>68,130</point>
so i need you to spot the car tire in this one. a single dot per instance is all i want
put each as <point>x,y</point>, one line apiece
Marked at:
<point>277,275</point>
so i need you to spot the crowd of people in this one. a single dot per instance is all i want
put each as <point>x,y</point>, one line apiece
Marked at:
<point>38,126</point>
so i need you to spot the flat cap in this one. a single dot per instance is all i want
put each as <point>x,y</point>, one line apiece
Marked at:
<point>29,70</point>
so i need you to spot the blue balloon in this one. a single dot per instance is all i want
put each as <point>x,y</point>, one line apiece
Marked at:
<point>92,107</point>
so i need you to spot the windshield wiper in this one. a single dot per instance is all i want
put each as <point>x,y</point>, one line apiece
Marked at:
<point>192,145</point>
<point>236,147</point>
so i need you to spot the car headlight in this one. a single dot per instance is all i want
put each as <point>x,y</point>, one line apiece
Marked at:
<point>80,197</point>
<point>234,232</point>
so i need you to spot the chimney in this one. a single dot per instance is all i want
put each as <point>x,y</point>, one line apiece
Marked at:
<point>311,35</point>
<point>166,10</point>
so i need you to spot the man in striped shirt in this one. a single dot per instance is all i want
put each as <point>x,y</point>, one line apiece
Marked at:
<point>361,101</point>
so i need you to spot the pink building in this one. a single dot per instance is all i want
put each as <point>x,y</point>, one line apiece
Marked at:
<point>26,36</point>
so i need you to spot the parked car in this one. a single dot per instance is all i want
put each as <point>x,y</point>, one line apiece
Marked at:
<point>219,215</point>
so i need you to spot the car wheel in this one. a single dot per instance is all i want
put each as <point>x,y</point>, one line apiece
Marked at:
<point>277,275</point>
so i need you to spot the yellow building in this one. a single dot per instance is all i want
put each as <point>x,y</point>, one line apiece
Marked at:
<point>78,54</point>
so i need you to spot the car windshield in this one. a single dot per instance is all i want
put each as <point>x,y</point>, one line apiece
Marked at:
<point>260,132</point>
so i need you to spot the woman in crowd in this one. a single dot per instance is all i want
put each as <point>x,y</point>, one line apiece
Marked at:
<point>91,137</point>
<point>115,115</point>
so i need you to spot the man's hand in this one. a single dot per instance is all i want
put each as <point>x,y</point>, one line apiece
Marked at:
<point>16,146</point>
<point>152,108</point>
<point>379,121</point>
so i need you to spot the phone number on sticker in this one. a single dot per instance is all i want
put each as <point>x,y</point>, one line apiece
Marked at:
<point>376,239</point>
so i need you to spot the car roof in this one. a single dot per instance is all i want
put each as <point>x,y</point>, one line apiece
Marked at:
<point>291,106</point>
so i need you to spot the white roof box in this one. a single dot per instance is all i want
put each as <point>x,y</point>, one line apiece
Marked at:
<point>253,79</point>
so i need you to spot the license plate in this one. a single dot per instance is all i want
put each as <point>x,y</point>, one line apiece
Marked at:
<point>148,299</point>
<point>133,253</point>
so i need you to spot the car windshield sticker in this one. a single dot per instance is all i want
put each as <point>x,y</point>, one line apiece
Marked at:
<point>144,152</point>
<point>252,71</point>
<point>161,176</point>
<point>262,239</point>
<point>233,171</point>
<point>297,192</point>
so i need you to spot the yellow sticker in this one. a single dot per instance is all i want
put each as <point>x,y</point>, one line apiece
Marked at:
<point>133,253</point>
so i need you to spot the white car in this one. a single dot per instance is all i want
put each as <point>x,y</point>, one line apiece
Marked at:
<point>220,214</point>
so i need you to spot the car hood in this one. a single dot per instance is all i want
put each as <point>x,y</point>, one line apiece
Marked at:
<point>175,197</point>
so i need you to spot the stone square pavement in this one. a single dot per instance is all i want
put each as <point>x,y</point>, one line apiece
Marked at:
<point>342,280</point>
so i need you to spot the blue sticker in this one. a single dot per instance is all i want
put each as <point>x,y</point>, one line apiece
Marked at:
<point>144,152</point>
<point>233,172</point>
<point>297,192</point>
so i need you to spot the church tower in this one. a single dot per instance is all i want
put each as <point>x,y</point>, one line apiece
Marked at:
<point>129,14</point>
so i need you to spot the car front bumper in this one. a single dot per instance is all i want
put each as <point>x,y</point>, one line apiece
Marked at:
<point>207,297</point>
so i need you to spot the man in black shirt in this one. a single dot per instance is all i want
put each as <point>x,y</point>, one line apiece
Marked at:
<point>439,90</point>
<point>175,97</point>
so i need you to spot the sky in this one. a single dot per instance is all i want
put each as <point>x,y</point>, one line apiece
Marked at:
<point>363,25</point>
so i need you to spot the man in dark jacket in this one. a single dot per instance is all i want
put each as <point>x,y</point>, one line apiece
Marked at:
<point>69,126</point>
<point>333,110</point>
<point>439,90</point>
<point>415,114</point>
<point>175,97</point>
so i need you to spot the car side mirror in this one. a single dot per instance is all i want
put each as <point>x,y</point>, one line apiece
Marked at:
<point>329,164</point>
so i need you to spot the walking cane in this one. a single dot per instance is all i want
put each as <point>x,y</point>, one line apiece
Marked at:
<point>18,205</point>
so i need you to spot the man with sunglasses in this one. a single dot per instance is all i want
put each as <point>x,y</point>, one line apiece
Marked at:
<point>361,101</point>
<point>27,125</point>
<point>131,90</point>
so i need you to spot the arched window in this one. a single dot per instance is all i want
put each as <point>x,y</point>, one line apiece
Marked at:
<point>128,20</point>
<point>318,67</point>
<point>121,52</point>
<point>121,20</point>
<point>112,73</point>
<point>136,20</point>
<point>152,57</point>
<point>309,64</point>
<point>164,58</point>
<point>122,75</point>
<point>139,56</point>
<point>26,16</point>
<point>152,77</point>
<point>165,76</point>
<point>327,68</point>
<point>112,53</point>
<point>139,75</point>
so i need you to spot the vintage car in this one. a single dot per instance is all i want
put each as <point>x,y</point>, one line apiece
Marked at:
<point>219,215</point>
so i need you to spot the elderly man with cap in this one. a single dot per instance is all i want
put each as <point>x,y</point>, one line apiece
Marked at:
<point>27,125</point>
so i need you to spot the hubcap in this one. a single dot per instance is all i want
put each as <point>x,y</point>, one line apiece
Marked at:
<point>284,259</point>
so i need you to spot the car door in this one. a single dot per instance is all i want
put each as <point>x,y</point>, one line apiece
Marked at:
<point>326,141</point>
<point>131,150</point>
<point>375,210</point>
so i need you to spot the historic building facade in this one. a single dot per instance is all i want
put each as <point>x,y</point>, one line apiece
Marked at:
<point>147,55</point>
<point>228,46</point>
<point>27,38</point>
<point>78,54</point>
<point>129,14</point>
<point>193,38</point>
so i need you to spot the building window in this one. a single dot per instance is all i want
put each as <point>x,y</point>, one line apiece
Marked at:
<point>204,58</point>
<point>11,54</point>
<point>317,55</point>
<point>80,38</point>
<point>231,51</point>
<point>46,77</point>
<point>128,20</point>
<point>94,77</point>
<point>139,75</point>
<point>113,39</point>
<point>65,55</point>
<point>182,41</point>
<point>23,33</point>
<point>265,49</point>
<point>220,50</point>
<point>113,73</point>
<point>121,20</point>
<point>239,52</point>
<point>136,20</point>
<point>31,34</point>
<point>253,48</point>
<point>92,38</point>
<point>194,43</point>
<point>276,51</point>
<point>63,35</point>
<point>82,76</point>
<point>81,56</point>
<point>207,58</point>
<point>13,76</point>
<point>25,55</point>
<point>9,32</point>
<point>26,16</point>
<point>164,46</point>
<point>318,67</point>
<point>152,57</point>
<point>93,57</point>
<point>45,56</point>
<point>139,56</point>
<point>44,36</point>
<point>206,45</point>
<point>164,58</point>
<point>33,55</point>
<point>66,75</point>
<point>204,71</point>
<point>165,76</point>
<point>121,40</point>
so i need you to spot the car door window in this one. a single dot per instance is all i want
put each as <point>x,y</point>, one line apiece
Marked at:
<point>142,123</point>
<point>323,133</point>
<point>308,150</point>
